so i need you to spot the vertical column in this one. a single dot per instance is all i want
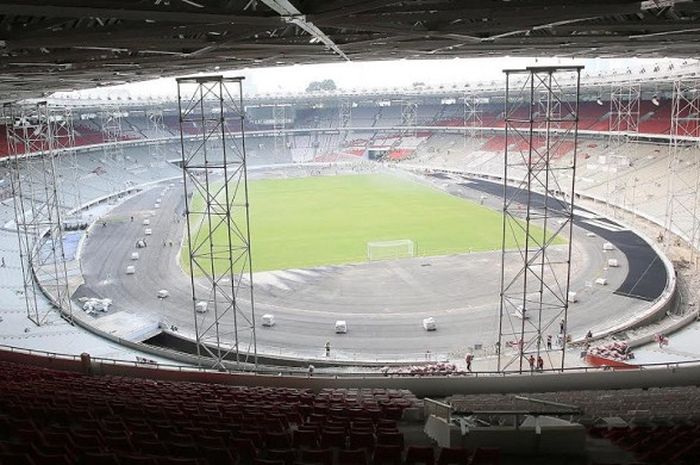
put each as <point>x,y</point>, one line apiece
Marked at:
<point>32,133</point>
<point>541,116</point>
<point>684,163</point>
<point>218,226</point>
<point>473,124</point>
<point>111,129</point>
<point>409,118</point>
<point>344,118</point>
<point>623,128</point>
<point>279,124</point>
<point>64,145</point>
<point>156,130</point>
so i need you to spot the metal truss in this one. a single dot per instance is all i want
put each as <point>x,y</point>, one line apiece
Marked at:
<point>344,119</point>
<point>684,161</point>
<point>218,233</point>
<point>538,206</point>
<point>623,128</point>
<point>409,117</point>
<point>157,130</point>
<point>34,135</point>
<point>64,145</point>
<point>473,124</point>
<point>111,128</point>
<point>279,124</point>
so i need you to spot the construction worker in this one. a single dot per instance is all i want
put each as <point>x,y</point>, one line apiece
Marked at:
<point>469,358</point>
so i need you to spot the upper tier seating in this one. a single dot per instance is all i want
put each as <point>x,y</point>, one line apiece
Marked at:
<point>50,416</point>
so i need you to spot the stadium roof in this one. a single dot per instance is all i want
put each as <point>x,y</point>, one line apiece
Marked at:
<point>50,45</point>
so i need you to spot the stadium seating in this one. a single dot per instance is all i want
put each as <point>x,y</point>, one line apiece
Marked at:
<point>54,415</point>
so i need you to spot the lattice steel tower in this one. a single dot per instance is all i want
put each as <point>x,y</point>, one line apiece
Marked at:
<point>218,227</point>
<point>684,150</point>
<point>538,207</point>
<point>473,124</point>
<point>623,128</point>
<point>33,134</point>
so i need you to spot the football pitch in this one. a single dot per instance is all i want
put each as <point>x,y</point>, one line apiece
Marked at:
<point>328,220</point>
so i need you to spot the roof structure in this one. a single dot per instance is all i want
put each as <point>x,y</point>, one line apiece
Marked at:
<point>51,45</point>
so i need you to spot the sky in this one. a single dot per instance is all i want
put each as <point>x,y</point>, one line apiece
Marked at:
<point>370,75</point>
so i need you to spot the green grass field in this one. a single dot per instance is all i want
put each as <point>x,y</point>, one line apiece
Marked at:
<point>305,222</point>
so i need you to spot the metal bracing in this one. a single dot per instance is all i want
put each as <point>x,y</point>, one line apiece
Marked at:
<point>157,130</point>
<point>38,131</point>
<point>623,128</point>
<point>409,118</point>
<point>473,124</point>
<point>218,234</point>
<point>279,124</point>
<point>538,205</point>
<point>64,144</point>
<point>344,119</point>
<point>684,161</point>
<point>110,119</point>
<point>112,133</point>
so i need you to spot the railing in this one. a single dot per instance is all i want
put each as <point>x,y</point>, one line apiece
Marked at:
<point>439,409</point>
<point>275,371</point>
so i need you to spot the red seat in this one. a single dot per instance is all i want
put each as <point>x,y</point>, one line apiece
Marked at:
<point>278,441</point>
<point>259,461</point>
<point>454,456</point>
<point>420,454</point>
<point>390,439</point>
<point>245,448</point>
<point>285,455</point>
<point>52,459</point>
<point>176,461</point>
<point>15,459</point>
<point>360,440</point>
<point>254,436</point>
<point>317,456</point>
<point>387,455</point>
<point>133,459</point>
<point>305,438</point>
<point>333,439</point>
<point>219,455</point>
<point>352,457</point>
<point>94,458</point>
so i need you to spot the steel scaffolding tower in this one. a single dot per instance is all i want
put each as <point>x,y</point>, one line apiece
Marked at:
<point>111,128</point>
<point>344,119</point>
<point>279,124</point>
<point>473,123</point>
<point>64,144</point>
<point>218,233</point>
<point>409,118</point>
<point>684,146</point>
<point>623,128</point>
<point>33,135</point>
<point>538,208</point>
<point>157,130</point>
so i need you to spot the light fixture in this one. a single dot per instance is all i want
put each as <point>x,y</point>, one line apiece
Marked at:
<point>599,101</point>
<point>655,101</point>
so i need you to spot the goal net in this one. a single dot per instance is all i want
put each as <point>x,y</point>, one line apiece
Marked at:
<point>389,250</point>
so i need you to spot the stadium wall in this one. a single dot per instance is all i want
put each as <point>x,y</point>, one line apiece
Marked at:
<point>648,376</point>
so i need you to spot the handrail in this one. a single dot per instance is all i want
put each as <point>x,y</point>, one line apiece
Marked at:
<point>274,371</point>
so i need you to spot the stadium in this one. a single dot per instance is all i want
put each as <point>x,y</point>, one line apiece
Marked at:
<point>476,270</point>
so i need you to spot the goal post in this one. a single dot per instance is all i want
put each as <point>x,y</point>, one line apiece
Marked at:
<point>390,250</point>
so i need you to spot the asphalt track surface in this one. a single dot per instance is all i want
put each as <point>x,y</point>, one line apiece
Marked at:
<point>382,302</point>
